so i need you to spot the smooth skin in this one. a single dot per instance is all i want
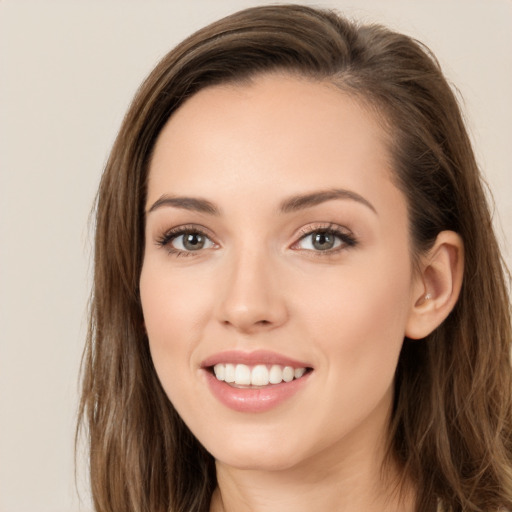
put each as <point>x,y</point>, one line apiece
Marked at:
<point>250,273</point>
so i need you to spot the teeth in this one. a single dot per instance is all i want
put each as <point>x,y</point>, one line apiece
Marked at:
<point>220,371</point>
<point>288,374</point>
<point>259,375</point>
<point>229,374</point>
<point>242,375</point>
<point>276,374</point>
<point>299,372</point>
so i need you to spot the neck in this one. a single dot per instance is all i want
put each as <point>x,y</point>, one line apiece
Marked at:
<point>357,483</point>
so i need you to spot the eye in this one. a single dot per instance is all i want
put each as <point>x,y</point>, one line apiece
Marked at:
<point>191,241</point>
<point>320,241</point>
<point>327,240</point>
<point>183,241</point>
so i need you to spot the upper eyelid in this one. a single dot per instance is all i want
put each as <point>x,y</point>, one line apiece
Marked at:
<point>320,226</point>
<point>188,228</point>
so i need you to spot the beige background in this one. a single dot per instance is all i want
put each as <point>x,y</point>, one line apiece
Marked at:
<point>68,71</point>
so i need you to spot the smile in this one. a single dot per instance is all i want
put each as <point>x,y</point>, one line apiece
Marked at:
<point>256,376</point>
<point>254,382</point>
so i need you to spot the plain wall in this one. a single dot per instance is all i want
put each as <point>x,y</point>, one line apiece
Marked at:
<point>68,71</point>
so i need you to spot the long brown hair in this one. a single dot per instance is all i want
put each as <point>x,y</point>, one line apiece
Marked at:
<point>451,424</point>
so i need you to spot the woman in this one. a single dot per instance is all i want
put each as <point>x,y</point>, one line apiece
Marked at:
<point>299,299</point>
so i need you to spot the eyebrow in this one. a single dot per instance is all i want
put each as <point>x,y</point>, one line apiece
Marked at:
<point>301,202</point>
<point>292,204</point>
<point>186,203</point>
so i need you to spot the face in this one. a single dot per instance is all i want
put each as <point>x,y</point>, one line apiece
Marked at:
<point>277,257</point>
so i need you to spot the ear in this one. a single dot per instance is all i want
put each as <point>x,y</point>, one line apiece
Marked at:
<point>437,286</point>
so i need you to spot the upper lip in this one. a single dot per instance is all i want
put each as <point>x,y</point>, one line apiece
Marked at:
<point>252,358</point>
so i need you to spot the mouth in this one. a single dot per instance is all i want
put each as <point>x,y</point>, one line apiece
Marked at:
<point>256,376</point>
<point>255,382</point>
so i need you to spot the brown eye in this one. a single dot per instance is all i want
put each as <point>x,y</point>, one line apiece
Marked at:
<point>191,241</point>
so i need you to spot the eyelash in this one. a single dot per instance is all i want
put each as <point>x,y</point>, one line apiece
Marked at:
<point>347,239</point>
<point>166,239</point>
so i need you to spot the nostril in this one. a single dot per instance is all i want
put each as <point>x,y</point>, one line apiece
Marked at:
<point>260,323</point>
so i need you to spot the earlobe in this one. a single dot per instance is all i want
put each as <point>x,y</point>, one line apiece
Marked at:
<point>438,285</point>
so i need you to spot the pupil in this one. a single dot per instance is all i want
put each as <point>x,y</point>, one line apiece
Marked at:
<point>193,241</point>
<point>323,241</point>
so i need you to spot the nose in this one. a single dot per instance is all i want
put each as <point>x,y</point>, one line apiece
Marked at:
<point>252,298</point>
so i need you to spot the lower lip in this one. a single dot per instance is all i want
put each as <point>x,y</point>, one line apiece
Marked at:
<point>254,399</point>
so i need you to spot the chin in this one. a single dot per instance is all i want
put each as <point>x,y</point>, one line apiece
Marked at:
<point>256,454</point>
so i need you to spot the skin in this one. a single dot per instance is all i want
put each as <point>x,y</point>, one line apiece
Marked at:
<point>260,284</point>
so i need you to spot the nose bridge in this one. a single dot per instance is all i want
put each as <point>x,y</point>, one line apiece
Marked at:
<point>252,299</point>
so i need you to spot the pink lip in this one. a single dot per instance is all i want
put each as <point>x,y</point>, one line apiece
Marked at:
<point>253,400</point>
<point>252,358</point>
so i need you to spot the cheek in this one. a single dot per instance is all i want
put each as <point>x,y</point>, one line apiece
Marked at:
<point>175,309</point>
<point>357,318</point>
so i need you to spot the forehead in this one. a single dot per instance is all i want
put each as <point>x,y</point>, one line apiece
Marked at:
<point>275,133</point>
